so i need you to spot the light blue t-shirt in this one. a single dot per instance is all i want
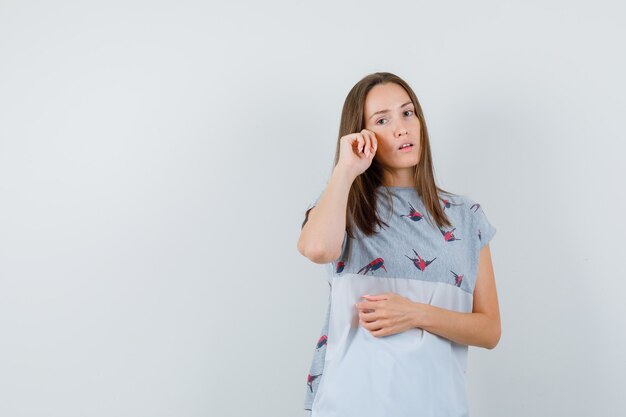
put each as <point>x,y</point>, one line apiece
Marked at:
<point>413,373</point>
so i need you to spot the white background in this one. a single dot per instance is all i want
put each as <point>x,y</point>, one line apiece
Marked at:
<point>156,159</point>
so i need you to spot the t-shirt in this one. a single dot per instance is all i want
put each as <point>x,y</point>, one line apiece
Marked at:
<point>414,373</point>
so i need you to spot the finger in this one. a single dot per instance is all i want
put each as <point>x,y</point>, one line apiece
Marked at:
<point>370,326</point>
<point>368,317</point>
<point>375,297</point>
<point>373,326</point>
<point>354,142</point>
<point>374,146</point>
<point>378,332</point>
<point>360,143</point>
<point>368,141</point>
<point>363,144</point>
<point>374,140</point>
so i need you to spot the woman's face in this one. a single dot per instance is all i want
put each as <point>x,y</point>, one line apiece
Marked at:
<point>390,114</point>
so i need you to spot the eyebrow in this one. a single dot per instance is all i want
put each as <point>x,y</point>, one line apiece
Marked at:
<point>386,110</point>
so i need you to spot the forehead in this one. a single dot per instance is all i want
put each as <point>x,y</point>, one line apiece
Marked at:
<point>385,96</point>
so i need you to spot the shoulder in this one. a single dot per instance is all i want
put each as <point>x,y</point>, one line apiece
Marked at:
<point>459,200</point>
<point>460,207</point>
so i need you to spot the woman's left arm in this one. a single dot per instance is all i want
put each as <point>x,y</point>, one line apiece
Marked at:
<point>481,327</point>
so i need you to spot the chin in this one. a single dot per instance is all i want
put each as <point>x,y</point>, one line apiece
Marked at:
<point>408,164</point>
<point>393,163</point>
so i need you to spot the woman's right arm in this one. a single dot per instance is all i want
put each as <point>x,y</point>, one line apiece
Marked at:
<point>324,227</point>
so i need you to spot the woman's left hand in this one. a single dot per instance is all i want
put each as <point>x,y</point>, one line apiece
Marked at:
<point>387,314</point>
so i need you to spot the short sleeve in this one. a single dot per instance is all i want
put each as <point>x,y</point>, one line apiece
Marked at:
<point>306,217</point>
<point>483,228</point>
<point>309,207</point>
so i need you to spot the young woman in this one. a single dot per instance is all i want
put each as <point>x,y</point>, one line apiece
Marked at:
<point>409,268</point>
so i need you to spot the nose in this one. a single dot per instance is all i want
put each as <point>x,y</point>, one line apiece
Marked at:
<point>401,130</point>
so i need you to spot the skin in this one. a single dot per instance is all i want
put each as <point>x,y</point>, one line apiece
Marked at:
<point>393,128</point>
<point>390,313</point>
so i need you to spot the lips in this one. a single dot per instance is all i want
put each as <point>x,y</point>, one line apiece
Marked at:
<point>401,147</point>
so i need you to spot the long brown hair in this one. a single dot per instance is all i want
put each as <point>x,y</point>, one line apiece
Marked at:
<point>361,207</point>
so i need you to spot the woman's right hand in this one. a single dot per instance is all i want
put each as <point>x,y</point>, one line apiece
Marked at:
<point>357,150</point>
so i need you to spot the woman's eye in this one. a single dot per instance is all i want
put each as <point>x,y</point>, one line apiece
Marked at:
<point>408,111</point>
